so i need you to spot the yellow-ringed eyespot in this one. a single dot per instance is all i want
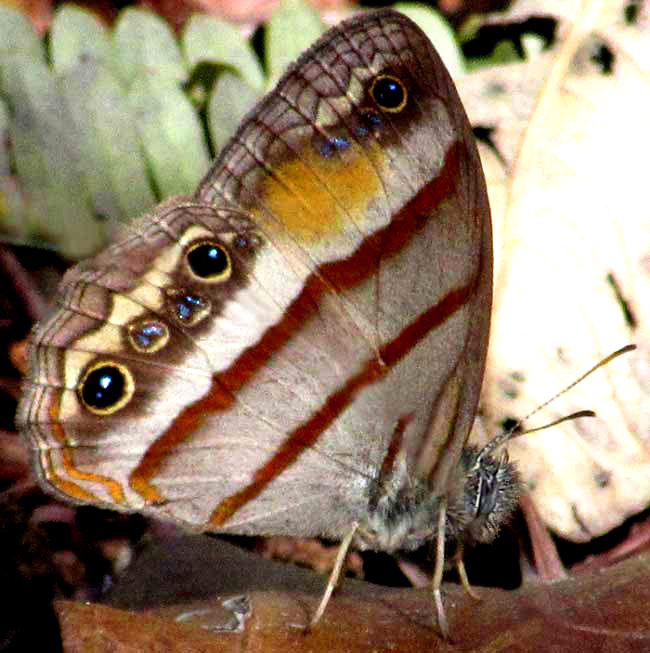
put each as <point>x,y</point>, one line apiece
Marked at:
<point>105,387</point>
<point>389,93</point>
<point>148,336</point>
<point>209,261</point>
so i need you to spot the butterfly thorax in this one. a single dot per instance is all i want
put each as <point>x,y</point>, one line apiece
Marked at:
<point>401,514</point>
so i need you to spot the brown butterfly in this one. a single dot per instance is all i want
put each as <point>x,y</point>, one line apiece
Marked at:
<point>299,347</point>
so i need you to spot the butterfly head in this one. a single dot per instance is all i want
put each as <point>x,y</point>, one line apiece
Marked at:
<point>485,495</point>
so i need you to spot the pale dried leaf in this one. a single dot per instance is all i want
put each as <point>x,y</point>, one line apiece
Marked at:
<point>567,184</point>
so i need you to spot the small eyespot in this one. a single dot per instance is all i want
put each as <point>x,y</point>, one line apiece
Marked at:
<point>190,309</point>
<point>246,243</point>
<point>106,387</point>
<point>389,93</point>
<point>329,147</point>
<point>242,242</point>
<point>148,336</point>
<point>209,261</point>
<point>370,122</point>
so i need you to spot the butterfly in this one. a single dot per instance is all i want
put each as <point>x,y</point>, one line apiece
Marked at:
<point>297,348</point>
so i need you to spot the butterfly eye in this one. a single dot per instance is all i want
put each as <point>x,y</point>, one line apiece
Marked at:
<point>389,93</point>
<point>209,261</point>
<point>105,388</point>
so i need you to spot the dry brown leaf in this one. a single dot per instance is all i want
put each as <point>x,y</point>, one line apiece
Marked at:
<point>600,611</point>
<point>567,181</point>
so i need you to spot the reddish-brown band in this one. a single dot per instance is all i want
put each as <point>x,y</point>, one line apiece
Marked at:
<point>346,273</point>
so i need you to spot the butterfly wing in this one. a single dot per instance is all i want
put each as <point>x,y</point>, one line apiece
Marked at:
<point>352,206</point>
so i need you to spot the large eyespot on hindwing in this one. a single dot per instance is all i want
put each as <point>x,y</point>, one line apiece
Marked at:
<point>389,93</point>
<point>105,387</point>
<point>209,261</point>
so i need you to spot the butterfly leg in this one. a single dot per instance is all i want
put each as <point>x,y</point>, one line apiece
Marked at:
<point>462,573</point>
<point>439,570</point>
<point>333,580</point>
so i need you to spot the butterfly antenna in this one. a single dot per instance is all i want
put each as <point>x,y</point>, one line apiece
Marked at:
<point>514,431</point>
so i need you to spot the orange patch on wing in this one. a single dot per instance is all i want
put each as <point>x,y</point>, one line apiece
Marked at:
<point>341,274</point>
<point>348,273</point>
<point>312,195</point>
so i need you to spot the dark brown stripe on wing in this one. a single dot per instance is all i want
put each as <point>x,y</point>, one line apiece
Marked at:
<point>393,449</point>
<point>338,275</point>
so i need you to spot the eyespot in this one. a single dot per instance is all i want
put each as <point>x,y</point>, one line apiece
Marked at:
<point>246,243</point>
<point>148,336</point>
<point>370,122</point>
<point>106,387</point>
<point>189,308</point>
<point>242,242</point>
<point>328,147</point>
<point>209,261</point>
<point>389,93</point>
